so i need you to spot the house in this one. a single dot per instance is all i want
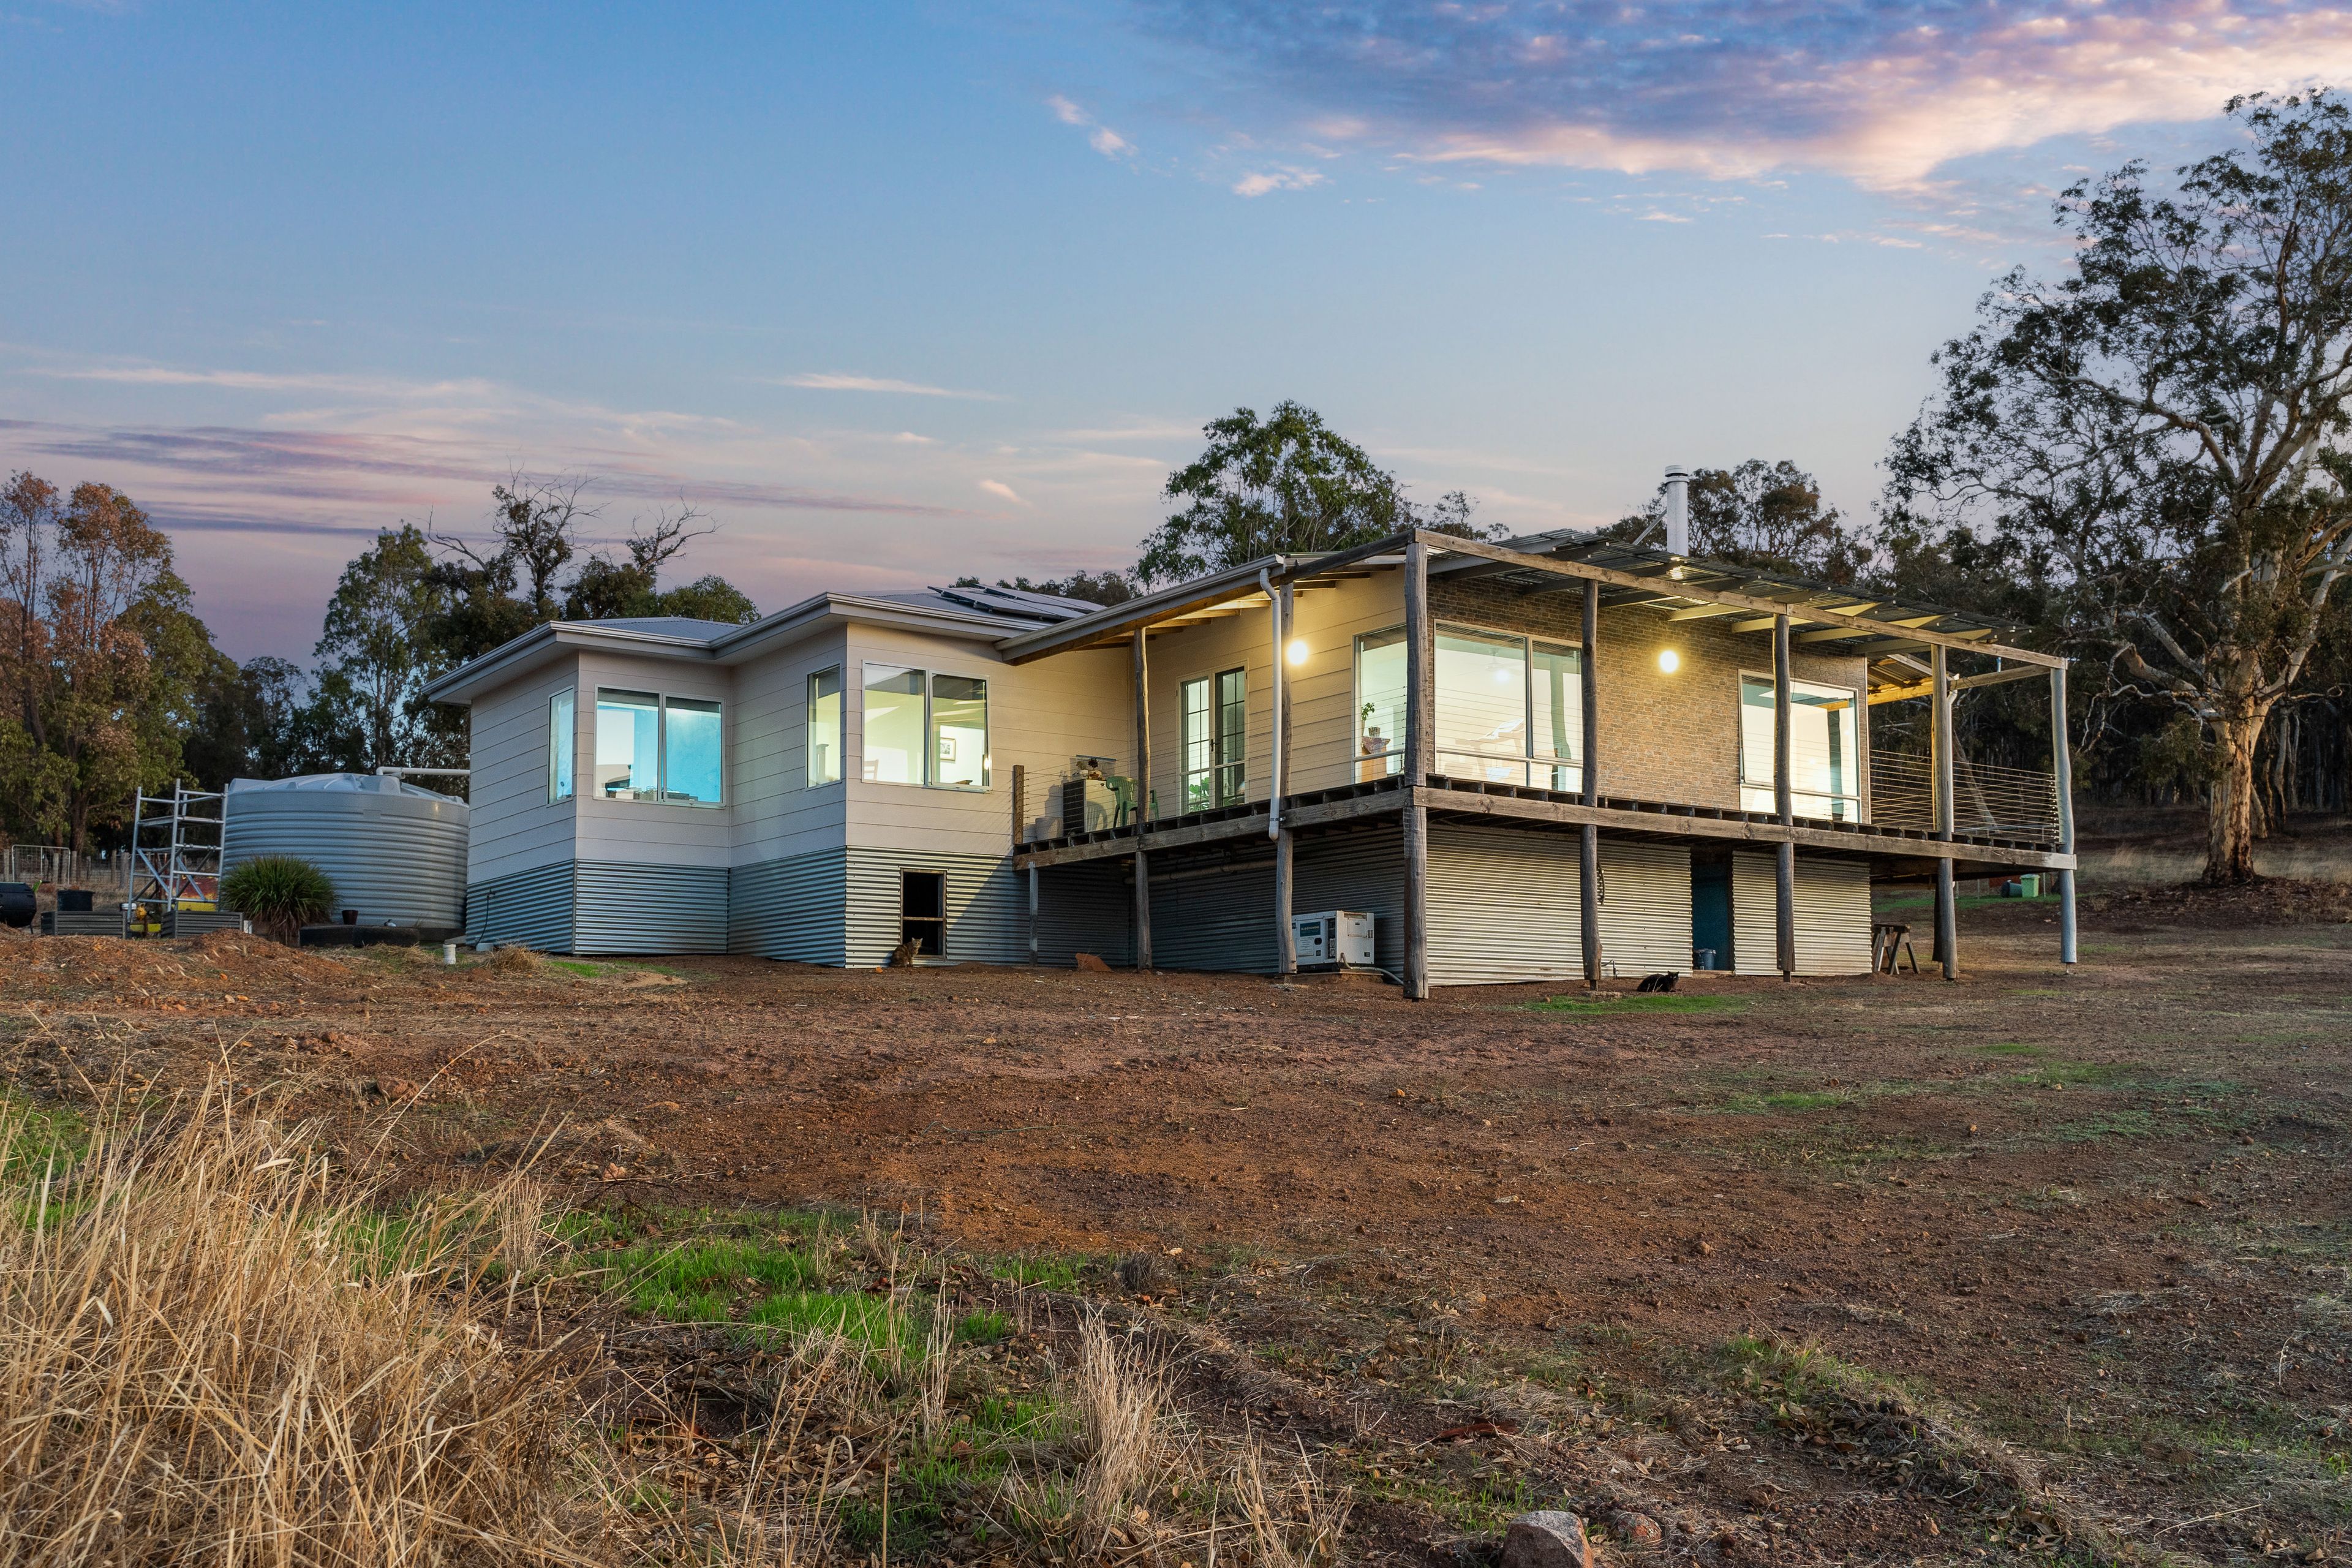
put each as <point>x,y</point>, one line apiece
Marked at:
<point>1556,758</point>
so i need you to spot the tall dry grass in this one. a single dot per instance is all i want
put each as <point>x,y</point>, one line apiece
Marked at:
<point>208,1355</point>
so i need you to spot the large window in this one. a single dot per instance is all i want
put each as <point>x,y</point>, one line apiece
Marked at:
<point>926,728</point>
<point>959,733</point>
<point>1215,742</point>
<point>1509,709</point>
<point>825,727</point>
<point>559,748</point>
<point>656,748</point>
<point>1825,761</point>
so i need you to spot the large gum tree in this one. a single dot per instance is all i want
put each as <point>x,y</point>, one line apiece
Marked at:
<point>2165,422</point>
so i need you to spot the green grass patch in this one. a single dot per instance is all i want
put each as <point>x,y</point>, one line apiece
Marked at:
<point>2014,1049</point>
<point>1049,1273</point>
<point>983,1328</point>
<point>1667,1002</point>
<point>37,1135</point>
<point>574,967</point>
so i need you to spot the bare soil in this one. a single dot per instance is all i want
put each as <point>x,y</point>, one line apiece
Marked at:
<point>2046,1263</point>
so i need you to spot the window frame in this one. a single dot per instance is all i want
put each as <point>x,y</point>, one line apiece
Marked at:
<point>563,745</point>
<point>1855,705</point>
<point>661,791</point>
<point>840,725</point>
<point>926,751</point>
<point>1391,760</point>
<point>1227,776</point>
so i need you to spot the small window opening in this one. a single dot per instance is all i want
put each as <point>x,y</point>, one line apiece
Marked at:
<point>923,911</point>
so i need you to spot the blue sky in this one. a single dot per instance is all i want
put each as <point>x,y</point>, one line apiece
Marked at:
<point>898,292</point>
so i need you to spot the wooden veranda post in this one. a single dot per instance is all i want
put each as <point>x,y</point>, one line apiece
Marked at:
<point>1587,847</point>
<point>1142,804</point>
<point>2061,765</point>
<point>1947,928</point>
<point>1286,940</point>
<point>1419,721</point>
<point>1784,860</point>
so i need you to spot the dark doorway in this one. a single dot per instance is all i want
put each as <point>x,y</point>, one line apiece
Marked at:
<point>1711,915</point>
<point>923,911</point>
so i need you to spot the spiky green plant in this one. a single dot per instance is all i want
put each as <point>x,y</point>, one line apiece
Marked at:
<point>280,893</point>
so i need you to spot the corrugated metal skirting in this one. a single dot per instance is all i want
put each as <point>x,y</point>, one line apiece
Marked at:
<point>1356,870</point>
<point>1214,914</point>
<point>620,907</point>
<point>1085,908</point>
<point>1645,907</point>
<point>1832,915</point>
<point>987,906</point>
<point>796,908</point>
<point>524,909</point>
<point>1503,906</point>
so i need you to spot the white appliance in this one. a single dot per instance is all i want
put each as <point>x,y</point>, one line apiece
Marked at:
<point>1340,937</point>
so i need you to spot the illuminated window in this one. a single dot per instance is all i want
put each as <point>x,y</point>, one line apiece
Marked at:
<point>825,727</point>
<point>652,748</point>
<point>1215,739</point>
<point>925,729</point>
<point>1825,758</point>
<point>1508,710</point>
<point>561,757</point>
<point>959,733</point>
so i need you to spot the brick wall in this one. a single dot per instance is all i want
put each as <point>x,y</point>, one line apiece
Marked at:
<point>1662,737</point>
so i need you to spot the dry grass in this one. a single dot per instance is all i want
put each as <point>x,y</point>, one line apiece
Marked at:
<point>209,1357</point>
<point>510,961</point>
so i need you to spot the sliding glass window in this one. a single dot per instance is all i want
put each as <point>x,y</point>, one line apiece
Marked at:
<point>661,749</point>
<point>959,733</point>
<point>1825,756</point>
<point>560,750</point>
<point>926,728</point>
<point>628,745</point>
<point>825,727</point>
<point>1508,710</point>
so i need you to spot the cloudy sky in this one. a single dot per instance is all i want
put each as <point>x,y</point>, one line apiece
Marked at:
<point>902,291</point>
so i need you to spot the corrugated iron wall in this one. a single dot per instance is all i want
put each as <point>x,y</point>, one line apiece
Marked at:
<point>1085,908</point>
<point>1503,906</point>
<point>795,908</point>
<point>1832,915</point>
<point>1359,870</point>
<point>987,904</point>
<point>1212,912</point>
<point>619,906</point>
<point>1645,907</point>
<point>528,908</point>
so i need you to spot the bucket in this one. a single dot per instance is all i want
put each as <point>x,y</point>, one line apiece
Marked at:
<point>1702,958</point>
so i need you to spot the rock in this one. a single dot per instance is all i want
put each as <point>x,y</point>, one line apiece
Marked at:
<point>1548,1539</point>
<point>1091,964</point>
<point>1637,1528</point>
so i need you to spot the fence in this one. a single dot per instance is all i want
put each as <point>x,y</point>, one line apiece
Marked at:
<point>103,873</point>
<point>1987,801</point>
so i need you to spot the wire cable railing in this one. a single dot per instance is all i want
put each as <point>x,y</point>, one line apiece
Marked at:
<point>1988,801</point>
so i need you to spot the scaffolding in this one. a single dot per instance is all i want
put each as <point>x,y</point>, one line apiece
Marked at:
<point>176,855</point>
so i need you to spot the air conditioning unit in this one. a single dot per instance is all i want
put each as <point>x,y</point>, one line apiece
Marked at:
<point>1334,939</point>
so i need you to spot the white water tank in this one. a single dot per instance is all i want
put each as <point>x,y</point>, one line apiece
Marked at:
<point>395,853</point>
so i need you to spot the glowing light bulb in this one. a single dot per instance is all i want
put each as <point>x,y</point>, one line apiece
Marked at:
<point>1297,650</point>
<point>1669,660</point>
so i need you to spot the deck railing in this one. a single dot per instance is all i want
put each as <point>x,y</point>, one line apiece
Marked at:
<point>1988,801</point>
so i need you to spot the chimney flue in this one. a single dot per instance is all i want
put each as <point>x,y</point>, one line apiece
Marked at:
<point>1677,511</point>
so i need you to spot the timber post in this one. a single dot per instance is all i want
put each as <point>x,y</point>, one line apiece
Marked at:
<point>1419,722</point>
<point>1587,838</point>
<point>1947,923</point>
<point>1784,858</point>
<point>2062,766</point>
<point>1142,804</point>
<point>1286,938</point>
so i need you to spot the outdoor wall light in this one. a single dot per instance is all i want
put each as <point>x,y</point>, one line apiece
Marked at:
<point>1297,650</point>
<point>1669,660</point>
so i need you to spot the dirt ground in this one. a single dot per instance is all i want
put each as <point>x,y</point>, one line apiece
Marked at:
<point>2047,1264</point>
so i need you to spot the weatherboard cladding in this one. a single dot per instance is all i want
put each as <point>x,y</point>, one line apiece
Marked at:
<point>524,909</point>
<point>619,906</point>
<point>795,909</point>
<point>1832,915</point>
<point>987,905</point>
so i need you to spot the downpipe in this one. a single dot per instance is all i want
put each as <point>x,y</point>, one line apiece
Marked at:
<point>1274,617</point>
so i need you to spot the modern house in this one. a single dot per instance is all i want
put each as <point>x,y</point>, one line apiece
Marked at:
<point>1555,758</point>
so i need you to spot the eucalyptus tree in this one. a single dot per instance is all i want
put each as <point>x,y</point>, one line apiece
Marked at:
<point>2163,423</point>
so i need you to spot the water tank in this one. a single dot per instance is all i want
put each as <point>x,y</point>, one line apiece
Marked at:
<point>395,853</point>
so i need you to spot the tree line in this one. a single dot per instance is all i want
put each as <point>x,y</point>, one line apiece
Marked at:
<point>111,684</point>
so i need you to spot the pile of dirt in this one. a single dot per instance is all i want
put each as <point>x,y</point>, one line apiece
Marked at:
<point>2269,901</point>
